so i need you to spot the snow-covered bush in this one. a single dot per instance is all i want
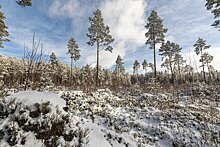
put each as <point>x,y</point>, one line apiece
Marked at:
<point>148,119</point>
<point>42,121</point>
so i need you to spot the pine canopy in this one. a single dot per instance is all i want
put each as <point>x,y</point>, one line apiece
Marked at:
<point>119,65</point>
<point>3,29</point>
<point>144,64</point>
<point>24,3</point>
<point>136,64</point>
<point>73,49</point>
<point>214,6</point>
<point>200,45</point>
<point>53,58</point>
<point>169,49</point>
<point>98,32</point>
<point>155,30</point>
<point>207,58</point>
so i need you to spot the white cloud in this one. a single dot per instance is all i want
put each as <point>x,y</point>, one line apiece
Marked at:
<point>68,8</point>
<point>77,11</point>
<point>126,22</point>
<point>125,19</point>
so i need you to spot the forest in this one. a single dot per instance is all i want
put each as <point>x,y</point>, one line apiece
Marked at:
<point>46,102</point>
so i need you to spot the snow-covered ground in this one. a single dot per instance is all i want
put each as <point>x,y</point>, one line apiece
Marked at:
<point>102,119</point>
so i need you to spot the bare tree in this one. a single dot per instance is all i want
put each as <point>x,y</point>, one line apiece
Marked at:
<point>32,60</point>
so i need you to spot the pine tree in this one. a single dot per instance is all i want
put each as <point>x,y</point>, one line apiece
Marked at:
<point>166,64</point>
<point>74,51</point>
<point>155,34</point>
<point>3,29</point>
<point>119,68</point>
<point>207,58</point>
<point>214,6</point>
<point>200,46</point>
<point>136,67</point>
<point>99,34</point>
<point>145,64</point>
<point>53,59</point>
<point>24,3</point>
<point>169,50</point>
<point>3,72</point>
<point>188,70</point>
<point>179,62</point>
<point>54,63</point>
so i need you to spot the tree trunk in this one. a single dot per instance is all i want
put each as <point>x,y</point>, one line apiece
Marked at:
<point>172,75</point>
<point>210,77</point>
<point>27,74</point>
<point>203,68</point>
<point>180,77</point>
<point>155,70</point>
<point>71,72</point>
<point>97,66</point>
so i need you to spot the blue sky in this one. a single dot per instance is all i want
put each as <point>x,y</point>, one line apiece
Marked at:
<point>55,21</point>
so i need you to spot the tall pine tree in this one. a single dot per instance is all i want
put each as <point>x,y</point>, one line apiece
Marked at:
<point>207,58</point>
<point>3,29</point>
<point>155,34</point>
<point>200,46</point>
<point>119,68</point>
<point>74,51</point>
<point>99,34</point>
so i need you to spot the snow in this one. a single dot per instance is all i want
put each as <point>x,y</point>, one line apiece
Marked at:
<point>31,97</point>
<point>29,115</point>
<point>216,109</point>
<point>96,136</point>
<point>119,122</point>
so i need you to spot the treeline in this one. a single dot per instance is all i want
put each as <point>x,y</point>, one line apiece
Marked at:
<point>17,73</point>
<point>32,71</point>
